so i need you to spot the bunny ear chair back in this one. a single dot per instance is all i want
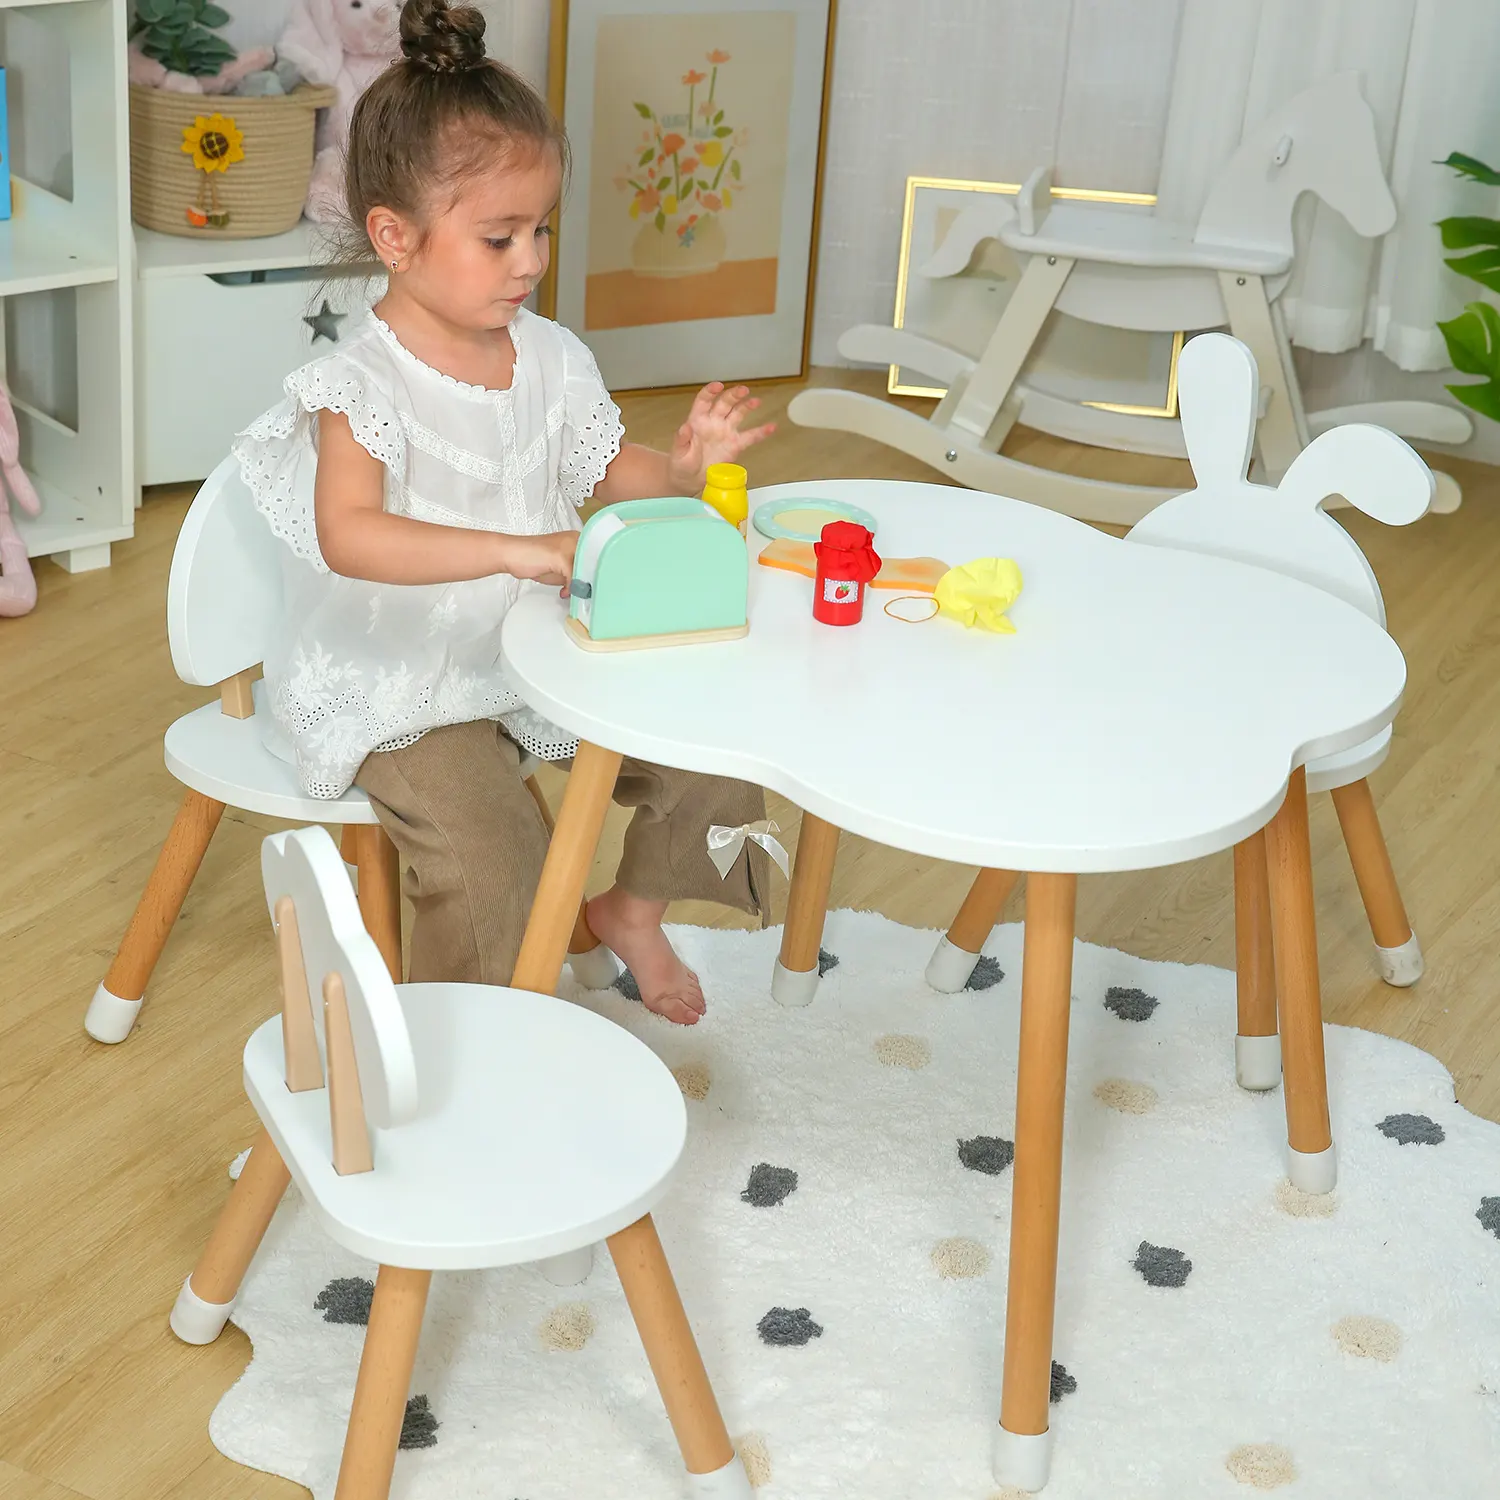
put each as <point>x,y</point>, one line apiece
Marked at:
<point>17,582</point>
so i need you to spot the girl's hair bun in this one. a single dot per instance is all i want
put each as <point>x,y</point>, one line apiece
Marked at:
<point>442,38</point>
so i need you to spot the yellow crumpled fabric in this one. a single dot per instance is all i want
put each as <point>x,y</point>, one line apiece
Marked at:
<point>980,592</point>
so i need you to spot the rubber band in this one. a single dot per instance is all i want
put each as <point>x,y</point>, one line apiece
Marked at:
<point>913,599</point>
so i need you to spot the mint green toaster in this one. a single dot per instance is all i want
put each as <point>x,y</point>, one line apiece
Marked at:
<point>658,573</point>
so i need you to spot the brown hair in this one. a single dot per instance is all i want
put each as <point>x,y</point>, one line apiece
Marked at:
<point>433,116</point>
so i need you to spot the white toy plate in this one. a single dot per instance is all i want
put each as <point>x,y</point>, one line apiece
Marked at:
<point>798,519</point>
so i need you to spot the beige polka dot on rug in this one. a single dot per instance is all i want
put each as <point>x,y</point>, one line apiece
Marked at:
<point>960,1259</point>
<point>897,1051</point>
<point>1127,1097</point>
<point>693,1079</point>
<point>1263,1466</point>
<point>1368,1338</point>
<point>1011,1493</point>
<point>755,1455</point>
<point>1302,1205</point>
<point>568,1327</point>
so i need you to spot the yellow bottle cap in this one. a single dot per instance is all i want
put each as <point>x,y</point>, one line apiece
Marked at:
<point>727,476</point>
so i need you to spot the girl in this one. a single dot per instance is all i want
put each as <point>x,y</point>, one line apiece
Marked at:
<point>424,474</point>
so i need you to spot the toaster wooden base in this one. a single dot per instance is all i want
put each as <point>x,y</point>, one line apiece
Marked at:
<point>582,638</point>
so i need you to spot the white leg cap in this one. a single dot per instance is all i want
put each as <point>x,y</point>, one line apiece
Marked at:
<point>729,1483</point>
<point>195,1321</point>
<point>1021,1460</point>
<point>595,970</point>
<point>791,988</point>
<point>571,1269</point>
<point>110,1018</point>
<point>238,1165</point>
<point>1447,497</point>
<point>1257,1062</point>
<point>1401,966</point>
<point>1314,1172</point>
<point>949,968</point>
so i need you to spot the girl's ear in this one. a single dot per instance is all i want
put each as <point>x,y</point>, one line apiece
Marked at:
<point>394,237</point>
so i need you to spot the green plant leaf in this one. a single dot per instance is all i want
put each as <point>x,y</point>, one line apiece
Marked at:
<point>1462,232</point>
<point>1468,166</point>
<point>1485,399</point>
<point>213,15</point>
<point>1483,266</point>
<point>644,111</point>
<point>734,169</point>
<point>661,220</point>
<point>719,118</point>
<point>646,156</point>
<point>1473,340</point>
<point>148,12</point>
<point>722,131</point>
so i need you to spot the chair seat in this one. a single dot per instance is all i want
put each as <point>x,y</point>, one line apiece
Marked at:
<point>1331,772</point>
<point>568,1125</point>
<point>1127,236</point>
<point>227,759</point>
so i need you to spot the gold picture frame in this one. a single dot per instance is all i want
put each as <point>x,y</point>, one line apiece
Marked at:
<point>894,384</point>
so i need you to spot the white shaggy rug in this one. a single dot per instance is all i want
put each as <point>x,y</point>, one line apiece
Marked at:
<point>839,1231</point>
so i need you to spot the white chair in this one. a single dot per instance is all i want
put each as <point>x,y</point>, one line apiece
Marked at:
<point>223,599</point>
<point>1284,529</point>
<point>462,1127</point>
<point>1125,267</point>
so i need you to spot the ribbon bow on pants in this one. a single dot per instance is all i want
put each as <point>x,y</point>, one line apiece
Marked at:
<point>726,844</point>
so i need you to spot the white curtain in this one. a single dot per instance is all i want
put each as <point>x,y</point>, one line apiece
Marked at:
<point>1430,70</point>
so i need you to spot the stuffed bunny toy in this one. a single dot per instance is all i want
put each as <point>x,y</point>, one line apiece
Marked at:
<point>147,73</point>
<point>17,583</point>
<point>346,43</point>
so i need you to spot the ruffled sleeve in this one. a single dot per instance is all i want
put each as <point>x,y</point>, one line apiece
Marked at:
<point>278,454</point>
<point>592,431</point>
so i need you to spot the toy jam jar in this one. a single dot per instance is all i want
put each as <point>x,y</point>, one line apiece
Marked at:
<point>727,494</point>
<point>847,562</point>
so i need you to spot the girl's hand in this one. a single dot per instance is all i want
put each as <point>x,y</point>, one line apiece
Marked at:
<point>712,434</point>
<point>540,559</point>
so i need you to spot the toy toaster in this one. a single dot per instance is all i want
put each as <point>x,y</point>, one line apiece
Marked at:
<point>658,573</point>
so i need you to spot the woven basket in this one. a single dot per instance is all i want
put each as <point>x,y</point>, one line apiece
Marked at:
<point>262,195</point>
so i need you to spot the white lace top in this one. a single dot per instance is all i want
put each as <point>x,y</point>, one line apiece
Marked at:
<point>372,666</point>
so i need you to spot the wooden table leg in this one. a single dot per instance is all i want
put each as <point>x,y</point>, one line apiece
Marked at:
<point>379,892</point>
<point>795,978</point>
<point>1396,946</point>
<point>1022,1445</point>
<point>1257,1046</point>
<point>952,962</point>
<point>570,854</point>
<point>1313,1164</point>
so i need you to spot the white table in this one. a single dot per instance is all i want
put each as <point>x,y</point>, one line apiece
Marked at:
<point>1152,708</point>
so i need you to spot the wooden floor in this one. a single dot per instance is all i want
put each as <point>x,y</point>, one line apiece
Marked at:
<point>114,1158</point>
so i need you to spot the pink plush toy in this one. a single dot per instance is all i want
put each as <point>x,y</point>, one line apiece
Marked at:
<point>346,43</point>
<point>147,73</point>
<point>17,583</point>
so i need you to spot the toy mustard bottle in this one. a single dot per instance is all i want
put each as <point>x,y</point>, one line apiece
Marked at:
<point>726,492</point>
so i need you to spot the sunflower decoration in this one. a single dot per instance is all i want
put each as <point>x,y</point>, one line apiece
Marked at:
<point>215,143</point>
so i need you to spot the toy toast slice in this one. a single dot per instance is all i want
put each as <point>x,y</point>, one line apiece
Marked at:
<point>918,574</point>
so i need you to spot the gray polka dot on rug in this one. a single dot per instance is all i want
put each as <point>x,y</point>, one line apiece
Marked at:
<point>768,1185</point>
<point>419,1428</point>
<point>1263,1466</point>
<point>1125,1096</point>
<point>1130,1004</point>
<point>567,1328</point>
<point>897,1051</point>
<point>1368,1338</point>
<point>1062,1384</point>
<point>788,1327</point>
<point>1412,1130</point>
<point>990,1154</point>
<point>1160,1265</point>
<point>960,1259</point>
<point>346,1299</point>
<point>987,974</point>
<point>826,961</point>
<point>1489,1215</point>
<point>627,986</point>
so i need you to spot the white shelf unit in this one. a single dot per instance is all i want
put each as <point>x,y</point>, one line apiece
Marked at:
<point>64,273</point>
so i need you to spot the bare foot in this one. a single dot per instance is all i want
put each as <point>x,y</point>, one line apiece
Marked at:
<point>631,928</point>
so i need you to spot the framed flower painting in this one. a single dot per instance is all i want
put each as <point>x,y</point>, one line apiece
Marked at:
<point>687,239</point>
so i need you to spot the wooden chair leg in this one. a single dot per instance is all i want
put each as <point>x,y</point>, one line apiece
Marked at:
<point>384,1381</point>
<point>954,958</point>
<point>570,854</point>
<point>380,892</point>
<point>795,978</point>
<point>1257,1046</point>
<point>1313,1166</point>
<point>674,1357</point>
<point>207,1297</point>
<point>1397,950</point>
<point>117,1001</point>
<point>1022,1444</point>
